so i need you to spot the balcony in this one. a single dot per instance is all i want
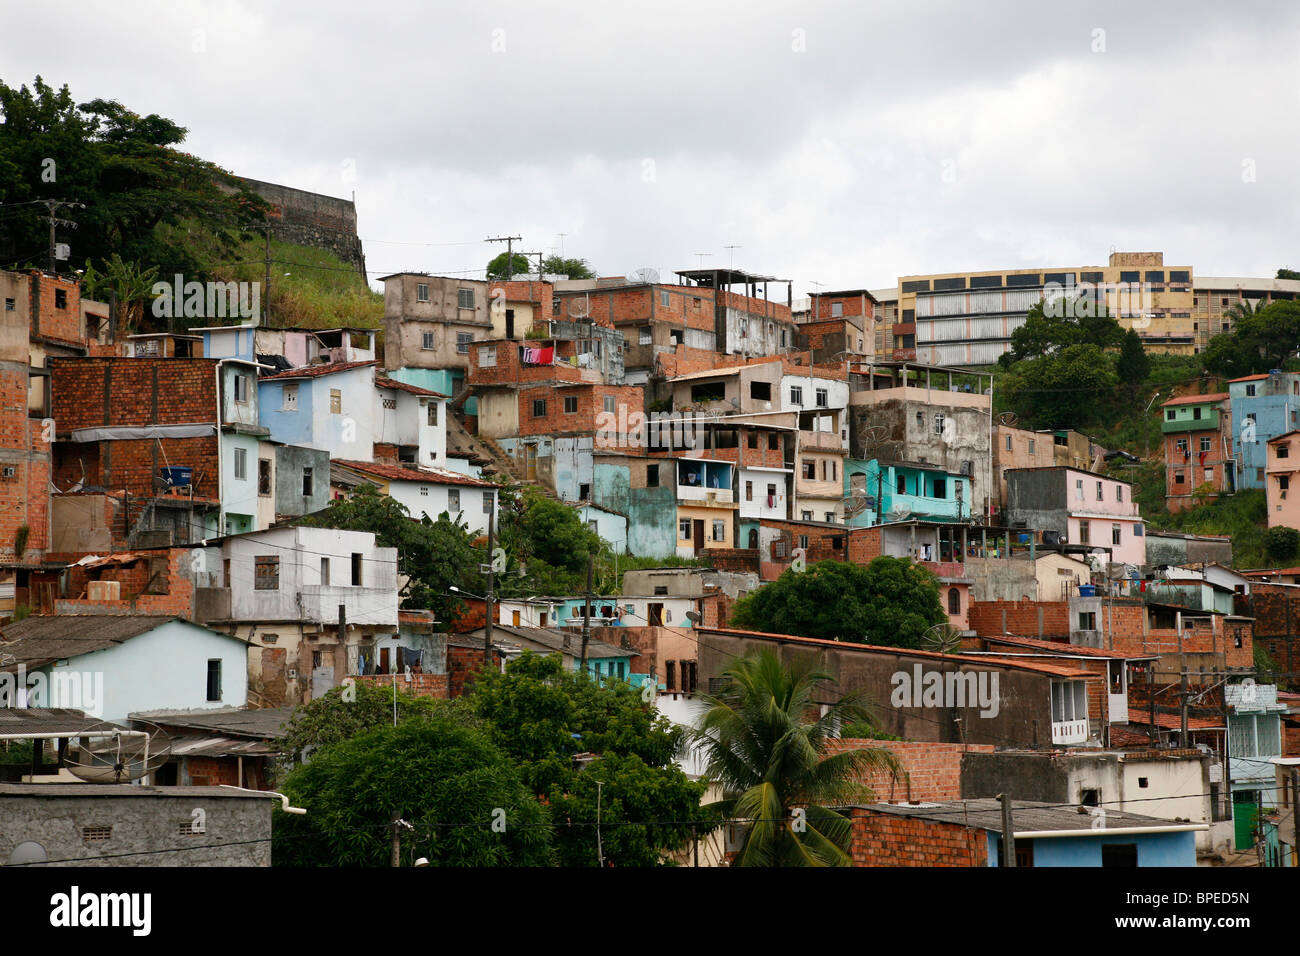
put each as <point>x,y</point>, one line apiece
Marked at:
<point>320,603</point>
<point>821,441</point>
<point>1208,420</point>
<point>1069,731</point>
<point>704,482</point>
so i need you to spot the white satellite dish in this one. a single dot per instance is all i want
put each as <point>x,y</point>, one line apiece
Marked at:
<point>117,758</point>
<point>645,276</point>
<point>899,513</point>
<point>578,307</point>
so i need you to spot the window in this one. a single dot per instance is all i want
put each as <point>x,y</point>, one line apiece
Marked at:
<point>356,569</point>
<point>487,356</point>
<point>1208,474</point>
<point>902,484</point>
<point>643,336</point>
<point>266,573</point>
<point>1008,443</point>
<point>1085,536</point>
<point>241,464</point>
<point>772,441</point>
<point>1099,492</point>
<point>539,408</point>
<point>336,402</point>
<point>1119,492</point>
<point>453,501</point>
<point>1119,854</point>
<point>760,391</point>
<point>584,493</point>
<point>1178,477</point>
<point>1250,389</point>
<point>941,488</point>
<point>289,398</point>
<point>10,305</point>
<point>1169,415</point>
<point>822,398</point>
<point>684,530</point>
<point>264,476</point>
<point>609,404</point>
<point>324,574</point>
<point>214,679</point>
<point>465,298</point>
<point>920,419</point>
<point>426,340</point>
<point>1078,488</point>
<point>1283,450</point>
<point>810,470</point>
<point>241,389</point>
<point>1181,446</point>
<point>938,423</point>
<point>830,517</point>
<point>421,292</point>
<point>665,299</point>
<point>1087,620</point>
<point>1206,445</point>
<point>954,601</point>
<point>424,491</point>
<point>60,299</point>
<point>803,538</point>
<point>431,410</point>
<point>570,404</point>
<point>462,342</point>
<point>719,530</point>
<point>751,440</point>
<point>1115,534</point>
<point>1196,412</point>
<point>796,395</point>
<point>306,483</point>
<point>806,515</point>
<point>749,491</point>
<point>652,476</point>
<point>1031,450</point>
<point>837,310</point>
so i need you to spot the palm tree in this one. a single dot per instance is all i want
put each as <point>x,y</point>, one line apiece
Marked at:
<point>759,740</point>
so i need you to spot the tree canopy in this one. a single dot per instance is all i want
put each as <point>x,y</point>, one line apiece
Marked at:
<point>125,169</point>
<point>1057,324</point>
<point>889,602</point>
<point>1259,340</point>
<point>573,268</point>
<point>496,268</point>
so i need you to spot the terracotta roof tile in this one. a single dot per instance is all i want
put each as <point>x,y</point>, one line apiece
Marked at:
<point>422,475</point>
<point>315,371</point>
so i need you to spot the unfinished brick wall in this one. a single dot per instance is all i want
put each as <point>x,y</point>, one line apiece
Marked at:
<point>166,572</point>
<point>463,663</point>
<point>48,318</point>
<point>1045,619</point>
<point>589,415</point>
<point>933,769</point>
<point>881,839</point>
<point>24,493</point>
<point>419,685</point>
<point>865,544</point>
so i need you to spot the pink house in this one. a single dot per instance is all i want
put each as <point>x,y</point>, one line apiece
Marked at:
<point>1282,480</point>
<point>1084,507</point>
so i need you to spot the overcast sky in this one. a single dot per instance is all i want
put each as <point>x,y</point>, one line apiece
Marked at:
<point>843,143</point>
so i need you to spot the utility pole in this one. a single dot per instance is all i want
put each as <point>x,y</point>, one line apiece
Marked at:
<point>1008,833</point>
<point>586,617</point>
<point>489,599</point>
<point>600,850</point>
<point>53,206</point>
<point>1183,694</point>
<point>510,247</point>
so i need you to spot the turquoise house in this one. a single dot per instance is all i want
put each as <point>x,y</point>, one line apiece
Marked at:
<point>905,489</point>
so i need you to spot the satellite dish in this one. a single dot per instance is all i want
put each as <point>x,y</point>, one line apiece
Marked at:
<point>941,638</point>
<point>855,505</point>
<point>1008,418</point>
<point>898,513</point>
<point>578,307</point>
<point>118,758</point>
<point>643,276</point>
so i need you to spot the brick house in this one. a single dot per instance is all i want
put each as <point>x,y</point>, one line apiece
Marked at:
<point>1197,432</point>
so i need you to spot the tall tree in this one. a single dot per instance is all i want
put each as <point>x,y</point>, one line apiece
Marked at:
<point>573,268</point>
<point>770,758</point>
<point>1133,365</point>
<point>1060,390</point>
<point>1060,323</point>
<point>1264,339</point>
<point>889,602</point>
<point>496,268</point>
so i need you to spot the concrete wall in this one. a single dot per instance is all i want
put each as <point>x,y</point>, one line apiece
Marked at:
<point>290,461</point>
<point>620,485</point>
<point>144,820</point>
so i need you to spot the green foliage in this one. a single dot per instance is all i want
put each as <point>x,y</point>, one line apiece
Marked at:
<point>434,554</point>
<point>1133,366</point>
<point>760,745</point>
<point>1051,326</point>
<point>127,284</point>
<point>866,730</point>
<point>573,268</point>
<point>496,269</point>
<point>16,752</point>
<point>889,602</point>
<point>552,541</point>
<point>1282,543</point>
<point>1288,274</point>
<point>1260,340</point>
<point>534,710</point>
<point>333,718</point>
<point>1267,669</point>
<point>443,777</point>
<point>22,612</point>
<point>1061,389</point>
<point>124,168</point>
<point>1242,517</point>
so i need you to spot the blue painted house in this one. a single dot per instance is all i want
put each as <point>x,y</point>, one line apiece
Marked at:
<point>969,833</point>
<point>920,489</point>
<point>1262,408</point>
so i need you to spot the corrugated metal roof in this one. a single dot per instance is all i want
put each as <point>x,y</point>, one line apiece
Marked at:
<point>1028,816</point>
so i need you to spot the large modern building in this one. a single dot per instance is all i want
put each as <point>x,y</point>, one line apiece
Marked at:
<point>967,318</point>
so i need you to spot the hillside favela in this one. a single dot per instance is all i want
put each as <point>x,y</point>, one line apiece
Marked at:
<point>567,559</point>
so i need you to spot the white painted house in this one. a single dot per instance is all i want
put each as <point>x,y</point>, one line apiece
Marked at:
<point>113,665</point>
<point>414,420</point>
<point>330,407</point>
<point>425,492</point>
<point>764,492</point>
